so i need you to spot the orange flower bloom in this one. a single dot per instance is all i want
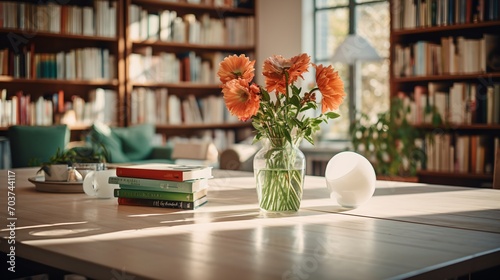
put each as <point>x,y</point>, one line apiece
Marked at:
<point>300,64</point>
<point>236,67</point>
<point>242,100</point>
<point>331,87</point>
<point>273,69</point>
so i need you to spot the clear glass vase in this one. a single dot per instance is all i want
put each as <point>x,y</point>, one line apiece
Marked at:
<point>279,170</point>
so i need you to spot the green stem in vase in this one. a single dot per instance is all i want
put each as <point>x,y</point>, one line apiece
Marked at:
<point>281,184</point>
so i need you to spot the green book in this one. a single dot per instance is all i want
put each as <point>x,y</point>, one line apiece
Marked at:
<point>162,203</point>
<point>130,183</point>
<point>172,196</point>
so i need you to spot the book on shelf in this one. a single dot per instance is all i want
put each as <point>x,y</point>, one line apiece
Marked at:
<point>453,55</point>
<point>189,186</point>
<point>160,171</point>
<point>163,195</point>
<point>99,20</point>
<point>162,203</point>
<point>29,109</point>
<point>456,103</point>
<point>169,26</point>
<point>412,14</point>
<point>147,106</point>
<point>75,64</point>
<point>460,153</point>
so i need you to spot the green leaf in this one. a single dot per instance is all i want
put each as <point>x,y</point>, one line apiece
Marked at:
<point>295,100</point>
<point>332,115</point>
<point>265,95</point>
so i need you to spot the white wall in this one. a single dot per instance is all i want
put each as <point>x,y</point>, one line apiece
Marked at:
<point>279,30</point>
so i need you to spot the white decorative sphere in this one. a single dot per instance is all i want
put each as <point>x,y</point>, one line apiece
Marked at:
<point>350,178</point>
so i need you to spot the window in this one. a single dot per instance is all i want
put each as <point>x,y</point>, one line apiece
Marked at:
<point>333,21</point>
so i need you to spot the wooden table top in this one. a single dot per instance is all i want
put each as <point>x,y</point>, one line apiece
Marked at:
<point>406,230</point>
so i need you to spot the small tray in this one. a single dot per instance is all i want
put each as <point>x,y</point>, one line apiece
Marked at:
<point>56,187</point>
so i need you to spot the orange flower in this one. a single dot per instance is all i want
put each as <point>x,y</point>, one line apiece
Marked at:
<point>236,67</point>
<point>331,87</point>
<point>300,64</point>
<point>273,69</point>
<point>242,100</point>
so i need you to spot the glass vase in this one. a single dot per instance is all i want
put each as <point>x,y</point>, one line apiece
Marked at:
<point>279,169</point>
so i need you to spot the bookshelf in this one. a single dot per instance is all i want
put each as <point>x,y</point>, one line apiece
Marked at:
<point>443,57</point>
<point>58,63</point>
<point>75,56</point>
<point>173,49</point>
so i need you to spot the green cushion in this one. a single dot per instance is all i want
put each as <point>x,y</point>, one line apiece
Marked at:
<point>33,145</point>
<point>136,140</point>
<point>125,144</point>
<point>103,134</point>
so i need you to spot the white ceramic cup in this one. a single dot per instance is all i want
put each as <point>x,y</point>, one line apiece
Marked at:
<point>96,183</point>
<point>350,178</point>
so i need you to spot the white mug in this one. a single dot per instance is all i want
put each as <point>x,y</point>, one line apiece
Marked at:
<point>96,183</point>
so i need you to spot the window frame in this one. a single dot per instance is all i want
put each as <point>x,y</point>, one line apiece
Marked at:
<point>351,6</point>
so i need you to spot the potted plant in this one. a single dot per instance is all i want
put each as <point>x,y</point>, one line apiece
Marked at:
<point>390,143</point>
<point>56,168</point>
<point>91,157</point>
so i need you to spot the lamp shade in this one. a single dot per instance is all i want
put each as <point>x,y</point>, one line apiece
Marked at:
<point>354,48</point>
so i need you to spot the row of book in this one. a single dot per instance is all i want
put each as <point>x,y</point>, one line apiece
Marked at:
<point>76,64</point>
<point>457,103</point>
<point>424,13</point>
<point>218,3</point>
<point>162,185</point>
<point>174,68</point>
<point>23,109</point>
<point>461,153</point>
<point>158,107</point>
<point>451,56</point>
<point>167,26</point>
<point>48,16</point>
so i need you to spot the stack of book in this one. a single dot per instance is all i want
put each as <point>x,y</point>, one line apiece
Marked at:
<point>162,185</point>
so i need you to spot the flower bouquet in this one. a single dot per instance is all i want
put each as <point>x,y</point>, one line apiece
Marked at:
<point>281,119</point>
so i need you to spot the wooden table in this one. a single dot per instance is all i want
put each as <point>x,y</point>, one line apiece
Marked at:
<point>406,230</point>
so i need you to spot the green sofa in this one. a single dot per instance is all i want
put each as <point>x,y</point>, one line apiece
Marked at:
<point>33,145</point>
<point>130,144</point>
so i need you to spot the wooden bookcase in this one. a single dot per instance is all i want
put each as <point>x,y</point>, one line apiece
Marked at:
<point>182,67</point>
<point>437,63</point>
<point>49,53</point>
<point>35,28</point>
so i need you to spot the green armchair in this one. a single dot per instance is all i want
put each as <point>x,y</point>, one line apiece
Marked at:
<point>33,145</point>
<point>130,144</point>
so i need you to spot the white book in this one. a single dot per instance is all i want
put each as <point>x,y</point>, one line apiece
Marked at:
<point>112,19</point>
<point>111,100</point>
<point>174,110</point>
<point>150,106</point>
<point>153,26</point>
<point>187,113</point>
<point>88,21</point>
<point>165,25</point>
<point>143,25</point>
<point>134,22</point>
<point>162,108</point>
<point>60,65</point>
<point>179,30</point>
<point>105,65</point>
<point>195,110</point>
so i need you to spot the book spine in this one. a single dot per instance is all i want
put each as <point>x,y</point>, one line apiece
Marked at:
<point>158,189</point>
<point>171,175</point>
<point>156,203</point>
<point>159,185</point>
<point>186,197</point>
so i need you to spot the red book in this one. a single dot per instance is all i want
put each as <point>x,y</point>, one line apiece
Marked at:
<point>170,172</point>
